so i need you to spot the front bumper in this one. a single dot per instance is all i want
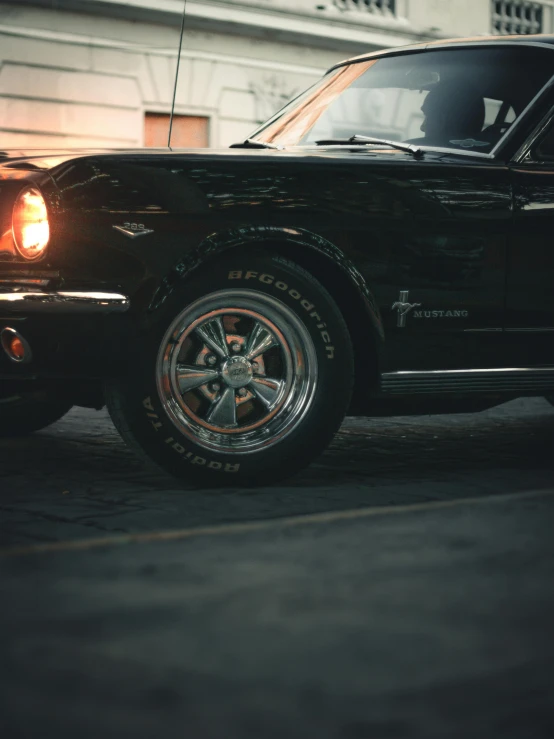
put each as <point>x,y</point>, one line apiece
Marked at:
<point>71,333</point>
<point>24,301</point>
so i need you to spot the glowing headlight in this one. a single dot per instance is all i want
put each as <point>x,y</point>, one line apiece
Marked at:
<point>31,230</point>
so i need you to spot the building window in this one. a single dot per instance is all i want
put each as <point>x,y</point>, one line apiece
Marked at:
<point>516,17</point>
<point>378,7</point>
<point>188,130</point>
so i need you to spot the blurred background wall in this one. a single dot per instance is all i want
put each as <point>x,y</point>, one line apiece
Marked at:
<point>100,73</point>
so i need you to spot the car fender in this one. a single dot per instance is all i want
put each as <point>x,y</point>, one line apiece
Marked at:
<point>223,242</point>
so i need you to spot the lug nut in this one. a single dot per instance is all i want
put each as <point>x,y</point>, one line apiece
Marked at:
<point>255,366</point>
<point>243,392</point>
<point>235,346</point>
<point>211,359</point>
<point>216,387</point>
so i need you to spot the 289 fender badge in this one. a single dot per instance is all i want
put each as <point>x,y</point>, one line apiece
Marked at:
<point>403,308</point>
<point>132,230</point>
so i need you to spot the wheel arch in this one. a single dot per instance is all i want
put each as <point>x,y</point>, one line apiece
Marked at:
<point>327,263</point>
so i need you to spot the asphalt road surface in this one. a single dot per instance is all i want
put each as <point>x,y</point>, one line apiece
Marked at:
<point>402,586</point>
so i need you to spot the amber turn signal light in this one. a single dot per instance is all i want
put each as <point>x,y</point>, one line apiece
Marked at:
<point>31,230</point>
<point>15,346</point>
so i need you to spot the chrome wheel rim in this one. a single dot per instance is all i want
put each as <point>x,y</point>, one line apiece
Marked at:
<point>236,371</point>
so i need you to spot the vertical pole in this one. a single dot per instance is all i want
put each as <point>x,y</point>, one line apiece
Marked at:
<point>176,76</point>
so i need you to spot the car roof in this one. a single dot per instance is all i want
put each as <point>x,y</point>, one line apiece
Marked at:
<point>542,39</point>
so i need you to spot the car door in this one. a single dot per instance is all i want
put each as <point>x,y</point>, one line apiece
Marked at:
<point>530,276</point>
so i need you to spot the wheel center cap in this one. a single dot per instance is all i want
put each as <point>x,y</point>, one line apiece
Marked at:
<point>237,372</point>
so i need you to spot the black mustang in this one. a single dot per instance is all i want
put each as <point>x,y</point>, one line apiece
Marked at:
<point>383,244</point>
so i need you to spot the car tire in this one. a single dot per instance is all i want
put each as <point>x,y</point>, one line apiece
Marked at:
<point>24,412</point>
<point>243,380</point>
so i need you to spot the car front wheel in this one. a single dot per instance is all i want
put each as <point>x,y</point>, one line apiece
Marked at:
<point>244,380</point>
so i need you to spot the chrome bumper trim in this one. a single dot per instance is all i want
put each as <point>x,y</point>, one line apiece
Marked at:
<point>21,300</point>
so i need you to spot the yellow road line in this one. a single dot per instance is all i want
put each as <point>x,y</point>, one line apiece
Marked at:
<point>232,529</point>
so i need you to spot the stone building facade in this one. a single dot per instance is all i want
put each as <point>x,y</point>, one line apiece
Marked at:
<point>100,73</point>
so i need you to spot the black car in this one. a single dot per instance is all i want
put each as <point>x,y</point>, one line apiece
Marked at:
<point>383,244</point>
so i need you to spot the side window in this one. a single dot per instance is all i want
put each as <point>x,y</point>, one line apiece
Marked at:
<point>498,113</point>
<point>544,151</point>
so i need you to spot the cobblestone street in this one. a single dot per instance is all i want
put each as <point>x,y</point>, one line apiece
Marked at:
<point>400,587</point>
<point>78,479</point>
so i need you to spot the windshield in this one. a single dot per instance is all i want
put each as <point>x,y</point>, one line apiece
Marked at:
<point>456,99</point>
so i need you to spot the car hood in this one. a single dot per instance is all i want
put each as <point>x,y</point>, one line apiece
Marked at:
<point>46,160</point>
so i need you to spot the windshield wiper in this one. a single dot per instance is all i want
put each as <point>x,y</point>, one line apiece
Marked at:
<point>253,144</point>
<point>357,139</point>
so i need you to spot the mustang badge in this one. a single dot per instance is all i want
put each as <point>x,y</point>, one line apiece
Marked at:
<point>403,308</point>
<point>132,230</point>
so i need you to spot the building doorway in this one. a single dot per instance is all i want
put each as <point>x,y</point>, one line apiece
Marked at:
<point>188,131</point>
